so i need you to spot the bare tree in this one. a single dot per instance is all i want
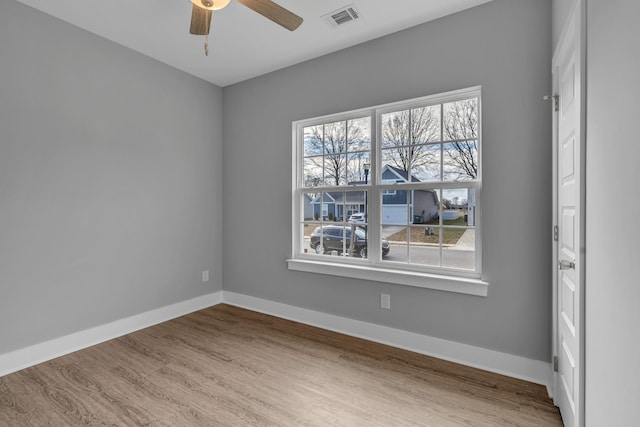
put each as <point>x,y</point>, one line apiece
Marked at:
<point>337,141</point>
<point>335,145</point>
<point>461,129</point>
<point>404,135</point>
<point>312,181</point>
<point>355,168</point>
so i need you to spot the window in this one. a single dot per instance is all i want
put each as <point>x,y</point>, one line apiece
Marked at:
<point>411,171</point>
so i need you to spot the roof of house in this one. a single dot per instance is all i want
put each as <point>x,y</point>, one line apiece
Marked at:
<point>401,173</point>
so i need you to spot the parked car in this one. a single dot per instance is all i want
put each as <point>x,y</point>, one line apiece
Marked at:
<point>357,218</point>
<point>333,236</point>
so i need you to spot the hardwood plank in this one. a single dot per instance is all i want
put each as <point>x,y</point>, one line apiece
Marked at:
<point>228,366</point>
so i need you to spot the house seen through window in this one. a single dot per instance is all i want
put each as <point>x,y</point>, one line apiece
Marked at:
<point>395,186</point>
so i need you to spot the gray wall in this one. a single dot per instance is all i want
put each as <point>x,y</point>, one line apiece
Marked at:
<point>612,285</point>
<point>505,46</point>
<point>110,181</point>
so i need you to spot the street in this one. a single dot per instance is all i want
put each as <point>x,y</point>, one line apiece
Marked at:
<point>429,255</point>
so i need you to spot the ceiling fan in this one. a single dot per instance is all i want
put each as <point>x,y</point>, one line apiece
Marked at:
<point>203,10</point>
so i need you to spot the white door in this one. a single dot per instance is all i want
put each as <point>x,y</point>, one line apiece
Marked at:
<point>569,216</point>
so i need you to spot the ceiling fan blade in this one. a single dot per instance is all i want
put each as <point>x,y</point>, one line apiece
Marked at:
<point>200,21</point>
<point>275,12</point>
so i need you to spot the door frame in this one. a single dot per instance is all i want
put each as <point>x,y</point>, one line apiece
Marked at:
<point>577,17</point>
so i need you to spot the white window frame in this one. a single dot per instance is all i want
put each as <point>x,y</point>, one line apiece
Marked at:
<point>373,267</point>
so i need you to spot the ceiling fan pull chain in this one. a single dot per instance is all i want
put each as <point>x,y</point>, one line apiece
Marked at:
<point>206,45</point>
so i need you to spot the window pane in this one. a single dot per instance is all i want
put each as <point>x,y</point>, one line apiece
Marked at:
<point>395,207</point>
<point>460,160</point>
<point>397,158</point>
<point>359,134</point>
<point>425,163</point>
<point>310,237</point>
<point>426,207</point>
<point>307,229</point>
<point>311,206</point>
<point>319,240</point>
<point>425,245</point>
<point>338,211</point>
<point>395,129</point>
<point>356,238</point>
<point>396,236</point>
<point>335,170</point>
<point>312,171</point>
<point>455,203</point>
<point>355,207</point>
<point>323,206</point>
<point>313,136</point>
<point>335,137</point>
<point>425,124</point>
<point>358,168</point>
<point>461,120</point>
<point>460,254</point>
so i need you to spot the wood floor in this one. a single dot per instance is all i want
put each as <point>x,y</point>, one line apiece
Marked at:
<point>225,366</point>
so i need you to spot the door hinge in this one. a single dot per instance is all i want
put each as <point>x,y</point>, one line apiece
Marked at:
<point>556,101</point>
<point>555,363</point>
<point>555,233</point>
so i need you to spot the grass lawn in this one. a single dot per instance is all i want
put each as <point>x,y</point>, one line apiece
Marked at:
<point>450,236</point>
<point>308,229</point>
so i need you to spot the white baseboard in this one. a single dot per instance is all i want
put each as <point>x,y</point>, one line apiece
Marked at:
<point>38,353</point>
<point>502,363</point>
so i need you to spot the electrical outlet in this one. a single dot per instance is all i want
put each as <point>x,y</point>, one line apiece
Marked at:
<point>385,301</point>
<point>205,276</point>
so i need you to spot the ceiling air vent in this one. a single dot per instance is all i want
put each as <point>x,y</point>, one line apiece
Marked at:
<point>342,16</point>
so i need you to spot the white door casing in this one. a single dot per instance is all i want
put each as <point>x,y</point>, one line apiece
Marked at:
<point>569,182</point>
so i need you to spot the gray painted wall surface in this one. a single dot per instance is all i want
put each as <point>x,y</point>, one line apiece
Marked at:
<point>612,285</point>
<point>110,181</point>
<point>505,46</point>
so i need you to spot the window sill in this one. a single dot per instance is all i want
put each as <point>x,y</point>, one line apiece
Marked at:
<point>460,285</point>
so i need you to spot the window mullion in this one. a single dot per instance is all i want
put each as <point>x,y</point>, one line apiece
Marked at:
<point>373,195</point>
<point>441,142</point>
<point>410,194</point>
<point>440,216</point>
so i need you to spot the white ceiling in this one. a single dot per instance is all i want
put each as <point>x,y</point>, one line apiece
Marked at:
<point>242,43</point>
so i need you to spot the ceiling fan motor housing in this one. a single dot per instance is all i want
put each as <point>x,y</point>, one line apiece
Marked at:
<point>211,4</point>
